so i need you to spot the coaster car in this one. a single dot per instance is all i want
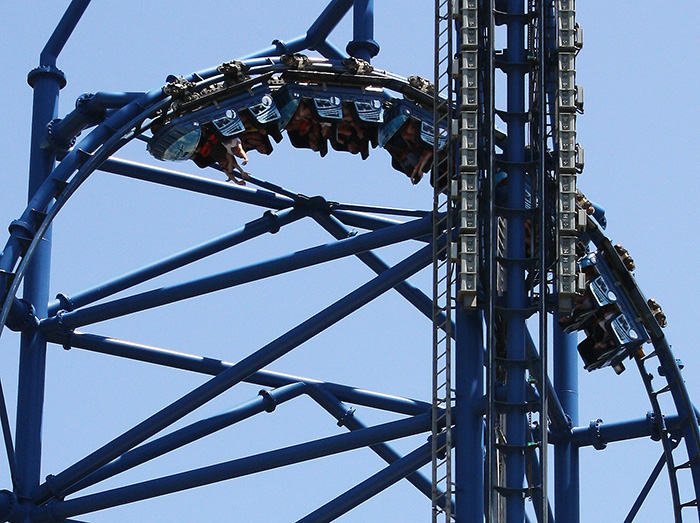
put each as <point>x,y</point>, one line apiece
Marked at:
<point>252,117</point>
<point>408,135</point>
<point>347,117</point>
<point>605,316</point>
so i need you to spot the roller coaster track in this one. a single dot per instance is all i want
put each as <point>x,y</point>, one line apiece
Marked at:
<point>686,423</point>
<point>131,121</point>
<point>185,96</point>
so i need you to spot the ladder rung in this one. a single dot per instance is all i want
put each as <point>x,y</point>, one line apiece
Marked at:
<point>509,491</point>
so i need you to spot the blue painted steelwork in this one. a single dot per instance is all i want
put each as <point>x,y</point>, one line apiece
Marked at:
<point>469,440</point>
<point>645,490</point>
<point>46,80</point>
<point>370,487</point>
<point>598,434</point>
<point>415,296</point>
<point>347,418</point>
<point>197,184</point>
<point>26,258</point>
<point>227,379</point>
<point>363,45</point>
<point>297,260</point>
<point>233,469</point>
<point>90,109</point>
<point>515,56</point>
<point>269,223</point>
<point>213,367</point>
<point>266,401</point>
<point>566,459</point>
<point>316,37</point>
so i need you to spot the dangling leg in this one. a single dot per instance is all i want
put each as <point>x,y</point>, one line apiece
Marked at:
<point>229,164</point>
<point>235,147</point>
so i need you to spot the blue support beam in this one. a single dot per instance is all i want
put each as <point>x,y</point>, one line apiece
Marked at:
<point>90,109</point>
<point>598,434</point>
<point>375,209</point>
<point>352,215</point>
<point>266,401</point>
<point>297,260</point>
<point>212,367</point>
<point>566,458</point>
<point>315,38</point>
<point>414,296</point>
<point>346,418</point>
<point>236,374</point>
<point>198,184</point>
<point>268,223</point>
<point>646,488</point>
<point>469,419</point>
<point>46,80</point>
<point>63,31</point>
<point>328,50</point>
<point>232,469</point>
<point>363,45</point>
<point>329,18</point>
<point>35,221</point>
<point>371,486</point>
<point>515,56</point>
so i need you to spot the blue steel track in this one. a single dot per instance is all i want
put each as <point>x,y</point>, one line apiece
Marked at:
<point>124,117</point>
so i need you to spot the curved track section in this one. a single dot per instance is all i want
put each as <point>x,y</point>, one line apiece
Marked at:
<point>668,381</point>
<point>215,118</point>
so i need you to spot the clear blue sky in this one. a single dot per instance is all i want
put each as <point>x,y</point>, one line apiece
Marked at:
<point>639,71</point>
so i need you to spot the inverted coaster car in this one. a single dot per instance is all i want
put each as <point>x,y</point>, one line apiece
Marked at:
<point>347,117</point>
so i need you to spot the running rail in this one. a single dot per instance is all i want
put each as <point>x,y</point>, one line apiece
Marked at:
<point>668,371</point>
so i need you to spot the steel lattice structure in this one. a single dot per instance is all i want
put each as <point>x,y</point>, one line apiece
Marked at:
<point>520,264</point>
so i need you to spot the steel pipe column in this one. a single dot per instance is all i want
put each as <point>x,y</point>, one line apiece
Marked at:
<point>46,80</point>
<point>515,57</point>
<point>363,45</point>
<point>566,457</point>
<point>469,439</point>
<point>32,358</point>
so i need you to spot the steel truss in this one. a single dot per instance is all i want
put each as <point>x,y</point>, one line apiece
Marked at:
<point>497,261</point>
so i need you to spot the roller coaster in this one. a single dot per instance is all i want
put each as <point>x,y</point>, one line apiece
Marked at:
<point>511,265</point>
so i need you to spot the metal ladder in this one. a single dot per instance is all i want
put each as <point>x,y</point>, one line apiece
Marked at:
<point>443,267</point>
<point>456,196</point>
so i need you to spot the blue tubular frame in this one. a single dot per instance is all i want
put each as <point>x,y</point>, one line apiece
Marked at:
<point>363,45</point>
<point>233,469</point>
<point>370,487</point>
<point>300,259</point>
<point>197,184</point>
<point>266,401</point>
<point>566,458</point>
<point>212,367</point>
<point>117,114</point>
<point>268,223</point>
<point>78,163</point>
<point>46,80</point>
<point>353,215</point>
<point>241,370</point>
<point>315,38</point>
<point>516,421</point>
<point>346,418</point>
<point>645,490</point>
<point>415,296</point>
<point>469,439</point>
